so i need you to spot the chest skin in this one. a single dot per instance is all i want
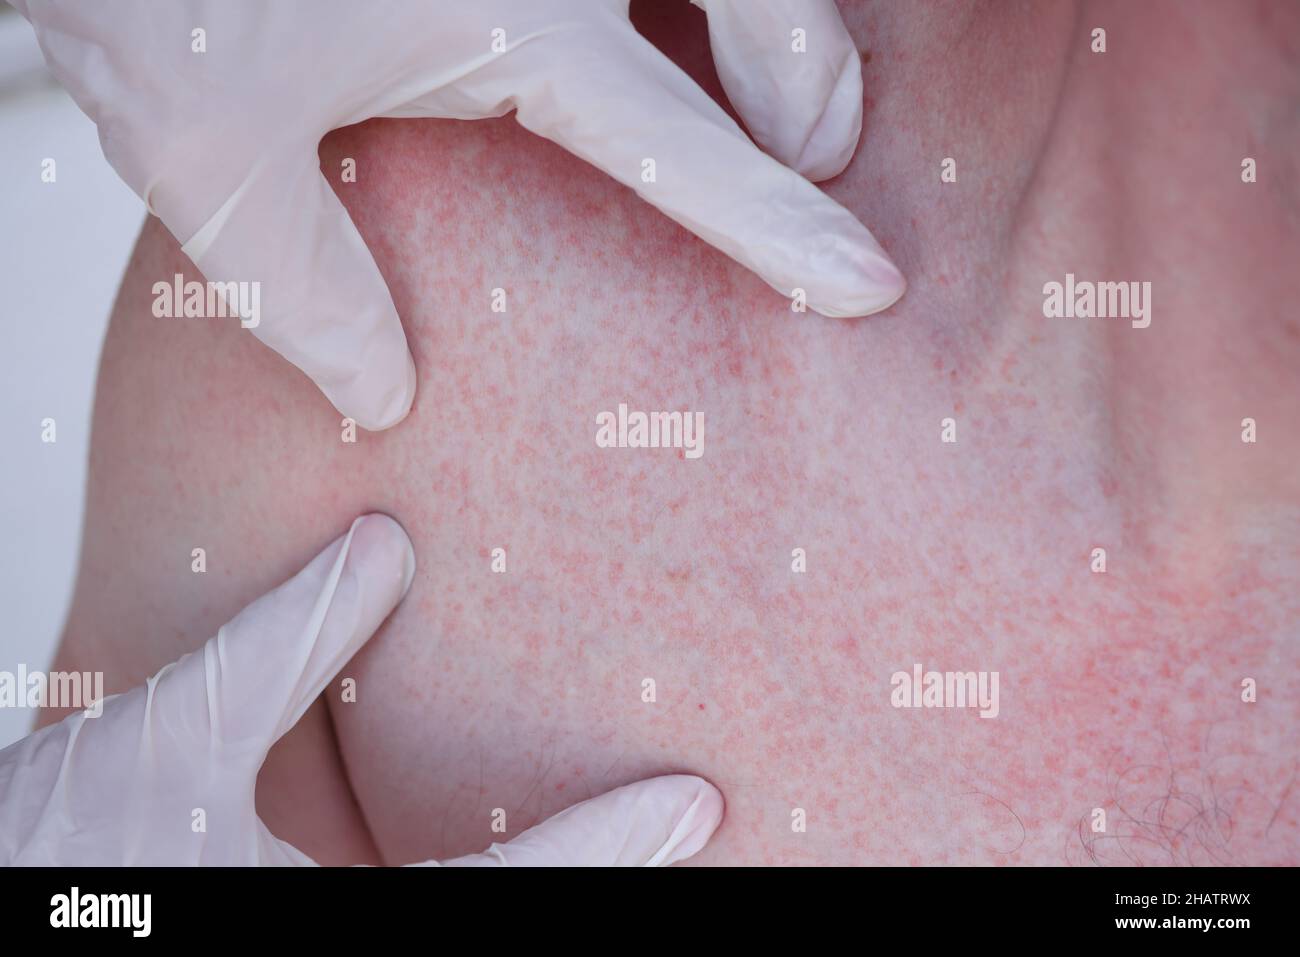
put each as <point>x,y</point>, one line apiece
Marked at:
<point>526,689</point>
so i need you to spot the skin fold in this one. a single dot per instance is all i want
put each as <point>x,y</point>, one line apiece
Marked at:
<point>523,691</point>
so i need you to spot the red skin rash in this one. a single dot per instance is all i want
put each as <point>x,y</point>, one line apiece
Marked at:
<point>523,690</point>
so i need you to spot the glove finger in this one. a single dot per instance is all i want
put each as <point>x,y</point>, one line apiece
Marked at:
<point>800,95</point>
<point>320,300</point>
<point>251,683</point>
<point>651,823</point>
<point>613,99</point>
<point>203,725</point>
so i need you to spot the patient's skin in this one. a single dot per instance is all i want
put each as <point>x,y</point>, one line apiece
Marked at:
<point>523,691</point>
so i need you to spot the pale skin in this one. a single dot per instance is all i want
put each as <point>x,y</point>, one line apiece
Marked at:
<point>524,690</point>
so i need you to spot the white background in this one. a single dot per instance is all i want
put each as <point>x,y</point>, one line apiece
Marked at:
<point>63,248</point>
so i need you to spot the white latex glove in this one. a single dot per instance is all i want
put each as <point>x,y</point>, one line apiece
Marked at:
<point>121,788</point>
<point>222,145</point>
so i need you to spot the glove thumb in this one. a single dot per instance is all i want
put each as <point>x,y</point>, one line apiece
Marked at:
<point>319,299</point>
<point>244,689</point>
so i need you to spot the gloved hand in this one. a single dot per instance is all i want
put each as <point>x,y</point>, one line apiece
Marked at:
<point>121,788</point>
<point>222,145</point>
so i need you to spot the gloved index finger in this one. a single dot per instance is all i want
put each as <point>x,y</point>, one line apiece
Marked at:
<point>617,102</point>
<point>650,823</point>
